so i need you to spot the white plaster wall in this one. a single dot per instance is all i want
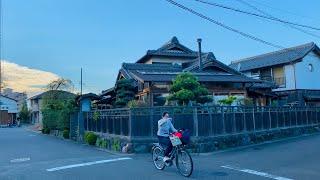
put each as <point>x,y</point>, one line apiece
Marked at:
<point>305,78</point>
<point>8,104</point>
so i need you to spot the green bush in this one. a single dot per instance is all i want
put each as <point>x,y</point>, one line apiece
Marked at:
<point>65,134</point>
<point>90,138</point>
<point>102,143</point>
<point>45,130</point>
<point>85,136</point>
<point>116,145</point>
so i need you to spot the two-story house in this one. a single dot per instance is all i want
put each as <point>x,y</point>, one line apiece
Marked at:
<point>36,103</point>
<point>154,72</point>
<point>296,72</point>
<point>9,110</point>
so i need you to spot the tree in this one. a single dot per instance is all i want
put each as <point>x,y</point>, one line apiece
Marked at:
<point>228,101</point>
<point>57,105</point>
<point>24,113</point>
<point>61,84</point>
<point>186,88</point>
<point>125,92</point>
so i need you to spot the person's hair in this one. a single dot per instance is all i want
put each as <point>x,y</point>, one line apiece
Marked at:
<point>164,113</point>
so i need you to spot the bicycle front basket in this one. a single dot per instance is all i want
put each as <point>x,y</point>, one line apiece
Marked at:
<point>175,140</point>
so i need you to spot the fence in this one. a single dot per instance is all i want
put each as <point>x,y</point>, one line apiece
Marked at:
<point>202,121</point>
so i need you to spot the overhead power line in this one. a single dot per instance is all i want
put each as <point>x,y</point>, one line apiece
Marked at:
<point>228,27</point>
<point>285,11</point>
<point>271,16</point>
<point>257,15</point>
<point>223,25</point>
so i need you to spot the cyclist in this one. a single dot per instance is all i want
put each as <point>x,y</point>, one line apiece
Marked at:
<point>165,127</point>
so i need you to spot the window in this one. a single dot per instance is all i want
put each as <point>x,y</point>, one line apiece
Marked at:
<point>310,67</point>
<point>160,86</point>
<point>278,76</point>
<point>160,99</point>
<point>266,74</point>
<point>140,86</point>
<point>255,72</point>
<point>146,85</point>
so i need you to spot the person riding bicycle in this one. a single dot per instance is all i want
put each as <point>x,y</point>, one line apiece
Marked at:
<point>165,127</point>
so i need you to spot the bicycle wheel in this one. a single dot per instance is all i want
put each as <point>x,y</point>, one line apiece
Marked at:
<point>184,163</point>
<point>157,157</point>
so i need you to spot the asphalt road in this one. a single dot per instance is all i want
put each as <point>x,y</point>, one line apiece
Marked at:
<point>25,155</point>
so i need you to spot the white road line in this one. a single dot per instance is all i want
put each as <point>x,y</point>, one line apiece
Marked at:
<point>263,174</point>
<point>87,164</point>
<point>20,160</point>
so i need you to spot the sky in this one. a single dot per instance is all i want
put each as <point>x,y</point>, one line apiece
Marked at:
<point>61,37</point>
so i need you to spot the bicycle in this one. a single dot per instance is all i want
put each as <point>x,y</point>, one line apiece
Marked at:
<point>183,159</point>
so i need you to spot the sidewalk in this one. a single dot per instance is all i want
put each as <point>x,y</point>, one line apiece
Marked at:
<point>34,128</point>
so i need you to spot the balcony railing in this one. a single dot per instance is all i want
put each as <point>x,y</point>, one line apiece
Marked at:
<point>280,81</point>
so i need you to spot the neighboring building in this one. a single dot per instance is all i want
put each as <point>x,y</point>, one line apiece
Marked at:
<point>19,97</point>
<point>295,70</point>
<point>85,101</point>
<point>9,109</point>
<point>154,72</point>
<point>36,103</point>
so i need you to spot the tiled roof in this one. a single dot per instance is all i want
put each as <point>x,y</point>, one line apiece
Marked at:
<point>202,77</point>
<point>274,58</point>
<point>63,94</point>
<point>151,67</point>
<point>173,48</point>
<point>208,59</point>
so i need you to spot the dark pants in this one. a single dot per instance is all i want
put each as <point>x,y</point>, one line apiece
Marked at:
<point>166,143</point>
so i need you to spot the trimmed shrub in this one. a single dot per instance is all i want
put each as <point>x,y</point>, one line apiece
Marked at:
<point>90,138</point>
<point>45,130</point>
<point>102,143</point>
<point>65,134</point>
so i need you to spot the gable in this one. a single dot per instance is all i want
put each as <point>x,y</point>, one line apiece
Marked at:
<point>170,50</point>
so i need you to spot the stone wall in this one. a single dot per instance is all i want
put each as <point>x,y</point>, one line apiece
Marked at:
<point>206,144</point>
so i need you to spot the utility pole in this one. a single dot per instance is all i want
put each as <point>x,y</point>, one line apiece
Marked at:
<point>1,39</point>
<point>81,83</point>
<point>80,115</point>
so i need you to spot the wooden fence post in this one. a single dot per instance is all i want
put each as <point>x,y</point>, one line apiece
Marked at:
<point>151,121</point>
<point>244,120</point>
<point>195,122</point>
<point>307,116</point>
<point>130,123</point>
<point>211,122</point>
<point>234,120</point>
<point>254,119</point>
<point>223,123</point>
<point>270,120</point>
<point>296,114</point>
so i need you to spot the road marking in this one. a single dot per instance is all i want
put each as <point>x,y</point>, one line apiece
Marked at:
<point>87,164</point>
<point>20,160</point>
<point>258,173</point>
<point>32,135</point>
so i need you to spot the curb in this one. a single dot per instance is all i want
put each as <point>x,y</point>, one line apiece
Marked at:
<point>288,139</point>
<point>79,143</point>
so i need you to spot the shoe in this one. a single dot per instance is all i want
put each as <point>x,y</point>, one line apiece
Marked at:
<point>165,159</point>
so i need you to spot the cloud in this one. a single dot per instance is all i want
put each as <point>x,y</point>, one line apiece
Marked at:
<point>24,79</point>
